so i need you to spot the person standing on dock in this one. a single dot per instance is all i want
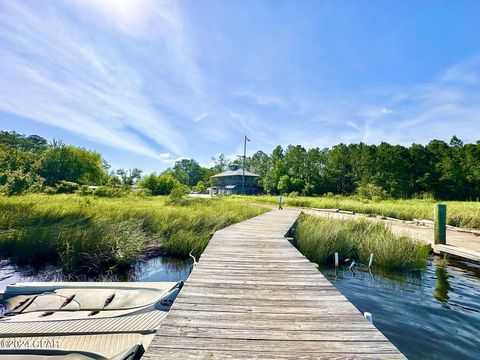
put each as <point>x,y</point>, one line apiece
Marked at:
<point>280,199</point>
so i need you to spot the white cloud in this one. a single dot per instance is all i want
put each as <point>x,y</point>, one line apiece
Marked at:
<point>386,111</point>
<point>132,17</point>
<point>53,73</point>
<point>465,72</point>
<point>201,117</point>
<point>260,98</point>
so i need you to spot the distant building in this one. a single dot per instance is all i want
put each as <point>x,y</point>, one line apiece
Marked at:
<point>230,182</point>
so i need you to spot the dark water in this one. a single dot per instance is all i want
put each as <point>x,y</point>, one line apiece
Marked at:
<point>155,269</point>
<point>433,314</point>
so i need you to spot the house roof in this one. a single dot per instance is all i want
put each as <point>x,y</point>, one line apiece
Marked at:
<point>238,172</point>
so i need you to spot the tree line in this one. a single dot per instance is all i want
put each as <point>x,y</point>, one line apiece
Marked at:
<point>449,171</point>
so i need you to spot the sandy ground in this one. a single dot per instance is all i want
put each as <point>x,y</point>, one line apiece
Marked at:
<point>424,233</point>
<point>200,195</point>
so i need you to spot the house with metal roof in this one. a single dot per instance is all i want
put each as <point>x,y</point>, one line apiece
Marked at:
<point>234,181</point>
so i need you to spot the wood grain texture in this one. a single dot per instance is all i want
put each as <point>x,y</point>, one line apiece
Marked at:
<point>254,296</point>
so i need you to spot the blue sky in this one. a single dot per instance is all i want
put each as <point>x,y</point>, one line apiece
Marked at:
<point>148,82</point>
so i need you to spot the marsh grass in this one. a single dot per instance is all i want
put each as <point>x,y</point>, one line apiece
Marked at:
<point>459,213</point>
<point>89,234</point>
<point>318,238</point>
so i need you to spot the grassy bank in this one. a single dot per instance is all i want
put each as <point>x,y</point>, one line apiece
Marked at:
<point>460,213</point>
<point>92,234</point>
<point>319,238</point>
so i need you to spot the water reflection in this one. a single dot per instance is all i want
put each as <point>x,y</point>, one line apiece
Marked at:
<point>155,269</point>
<point>428,314</point>
<point>161,269</point>
<point>443,286</point>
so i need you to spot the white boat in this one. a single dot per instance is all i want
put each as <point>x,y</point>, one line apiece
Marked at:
<point>82,320</point>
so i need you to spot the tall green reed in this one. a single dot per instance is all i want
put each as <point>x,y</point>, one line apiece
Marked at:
<point>318,238</point>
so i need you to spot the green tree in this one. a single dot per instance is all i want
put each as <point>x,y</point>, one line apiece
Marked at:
<point>129,177</point>
<point>393,169</point>
<point>200,187</point>
<point>33,143</point>
<point>471,168</point>
<point>438,151</point>
<point>159,184</point>
<point>178,192</point>
<point>260,164</point>
<point>220,163</point>
<point>284,185</point>
<point>420,169</point>
<point>276,171</point>
<point>70,163</point>
<point>114,181</point>
<point>188,172</point>
<point>17,182</point>
<point>339,170</point>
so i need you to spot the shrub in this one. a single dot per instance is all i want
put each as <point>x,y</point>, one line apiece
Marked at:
<point>372,192</point>
<point>66,187</point>
<point>159,184</point>
<point>18,182</point>
<point>84,190</point>
<point>284,184</point>
<point>179,192</point>
<point>105,191</point>
<point>143,192</point>
<point>49,190</point>
<point>200,187</point>
<point>3,178</point>
<point>38,185</point>
<point>308,190</point>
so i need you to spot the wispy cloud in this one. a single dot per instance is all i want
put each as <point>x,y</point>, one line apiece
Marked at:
<point>164,80</point>
<point>260,98</point>
<point>446,105</point>
<point>53,72</point>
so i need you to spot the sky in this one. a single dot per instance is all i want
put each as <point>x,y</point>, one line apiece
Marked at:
<point>146,83</point>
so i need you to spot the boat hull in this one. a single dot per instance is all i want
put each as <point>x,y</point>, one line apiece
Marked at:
<point>70,332</point>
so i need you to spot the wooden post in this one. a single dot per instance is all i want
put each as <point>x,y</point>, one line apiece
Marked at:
<point>336,260</point>
<point>368,316</point>
<point>440,223</point>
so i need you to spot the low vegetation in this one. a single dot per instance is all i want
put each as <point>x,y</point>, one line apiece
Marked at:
<point>91,234</point>
<point>319,238</point>
<point>459,213</point>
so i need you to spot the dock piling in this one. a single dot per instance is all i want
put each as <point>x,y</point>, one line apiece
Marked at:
<point>367,315</point>
<point>440,224</point>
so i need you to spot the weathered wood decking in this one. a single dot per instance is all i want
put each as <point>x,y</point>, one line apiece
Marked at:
<point>254,296</point>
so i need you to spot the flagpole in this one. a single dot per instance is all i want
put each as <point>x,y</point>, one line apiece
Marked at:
<point>243,167</point>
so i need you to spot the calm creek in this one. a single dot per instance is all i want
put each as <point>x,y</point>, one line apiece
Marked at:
<point>431,314</point>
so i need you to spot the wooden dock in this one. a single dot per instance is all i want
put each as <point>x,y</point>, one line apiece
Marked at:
<point>254,296</point>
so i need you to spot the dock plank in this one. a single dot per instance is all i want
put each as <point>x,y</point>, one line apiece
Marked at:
<point>254,296</point>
